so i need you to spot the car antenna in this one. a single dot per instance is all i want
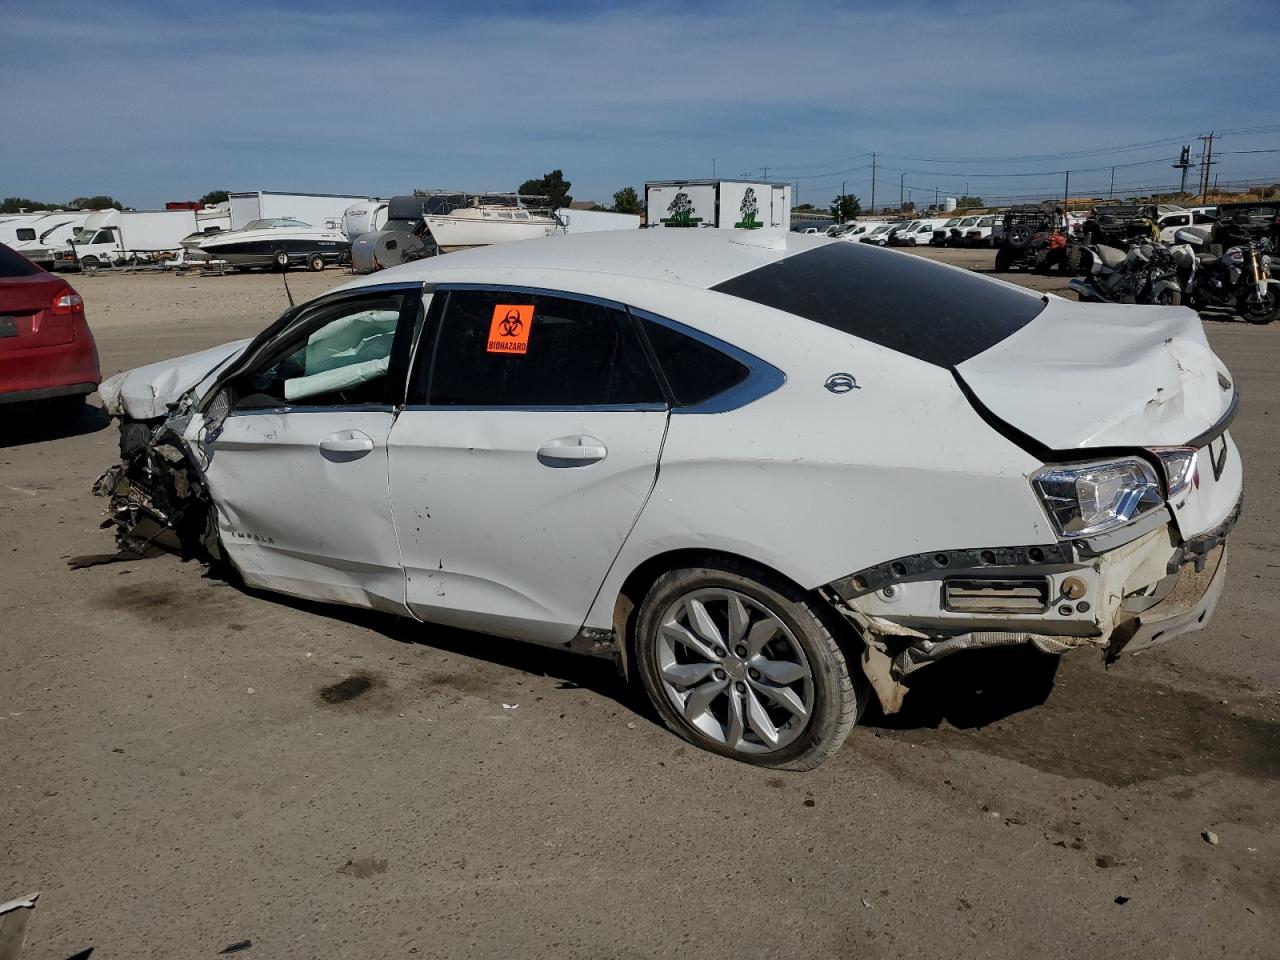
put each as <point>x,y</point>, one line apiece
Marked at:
<point>287,292</point>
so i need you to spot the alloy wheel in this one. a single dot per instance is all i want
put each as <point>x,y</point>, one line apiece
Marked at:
<point>734,671</point>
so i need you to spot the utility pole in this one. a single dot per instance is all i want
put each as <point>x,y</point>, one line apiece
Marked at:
<point>901,180</point>
<point>766,173</point>
<point>1066,192</point>
<point>1113,183</point>
<point>873,184</point>
<point>843,193</point>
<point>1206,161</point>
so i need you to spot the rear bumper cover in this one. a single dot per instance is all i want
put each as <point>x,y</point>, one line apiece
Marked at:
<point>1128,598</point>
<point>48,393</point>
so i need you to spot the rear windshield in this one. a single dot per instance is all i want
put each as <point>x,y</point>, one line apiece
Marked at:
<point>906,303</point>
<point>12,265</point>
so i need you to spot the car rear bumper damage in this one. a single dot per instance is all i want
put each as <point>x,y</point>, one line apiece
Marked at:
<point>1114,597</point>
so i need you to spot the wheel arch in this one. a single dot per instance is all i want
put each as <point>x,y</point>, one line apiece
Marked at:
<point>624,600</point>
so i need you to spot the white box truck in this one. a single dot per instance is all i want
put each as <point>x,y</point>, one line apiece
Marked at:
<point>118,237</point>
<point>324,210</point>
<point>727,204</point>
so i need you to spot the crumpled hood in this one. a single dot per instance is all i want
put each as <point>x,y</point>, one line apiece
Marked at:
<point>146,392</point>
<point>1099,375</point>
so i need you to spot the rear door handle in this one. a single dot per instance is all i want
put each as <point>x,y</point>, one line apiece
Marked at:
<point>576,451</point>
<point>346,445</point>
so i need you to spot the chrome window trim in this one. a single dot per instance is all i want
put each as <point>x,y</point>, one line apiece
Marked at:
<point>762,378</point>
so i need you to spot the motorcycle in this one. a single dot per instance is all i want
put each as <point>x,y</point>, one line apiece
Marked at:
<point>1240,279</point>
<point>1147,273</point>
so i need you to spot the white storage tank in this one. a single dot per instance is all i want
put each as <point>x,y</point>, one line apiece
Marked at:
<point>948,204</point>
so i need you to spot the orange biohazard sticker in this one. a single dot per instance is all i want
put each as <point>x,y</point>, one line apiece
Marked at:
<point>509,330</point>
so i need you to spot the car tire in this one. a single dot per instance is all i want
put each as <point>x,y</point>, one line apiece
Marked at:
<point>281,260</point>
<point>315,263</point>
<point>720,701</point>
<point>1003,260</point>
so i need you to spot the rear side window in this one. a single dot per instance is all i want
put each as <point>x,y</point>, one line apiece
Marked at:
<point>931,312</point>
<point>695,371</point>
<point>26,233</point>
<point>12,265</point>
<point>503,349</point>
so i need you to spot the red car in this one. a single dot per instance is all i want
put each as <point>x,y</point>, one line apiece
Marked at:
<point>46,350</point>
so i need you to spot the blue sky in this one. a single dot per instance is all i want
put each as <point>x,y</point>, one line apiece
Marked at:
<point>160,101</point>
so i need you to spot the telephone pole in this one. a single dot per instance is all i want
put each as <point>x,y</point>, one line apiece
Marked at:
<point>873,184</point>
<point>1066,192</point>
<point>1206,161</point>
<point>901,198</point>
<point>1113,183</point>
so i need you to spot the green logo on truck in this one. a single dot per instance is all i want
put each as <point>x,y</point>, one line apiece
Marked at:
<point>749,211</point>
<point>681,210</point>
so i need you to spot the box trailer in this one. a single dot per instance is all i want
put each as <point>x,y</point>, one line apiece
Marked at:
<point>116,237</point>
<point>323,210</point>
<point>727,204</point>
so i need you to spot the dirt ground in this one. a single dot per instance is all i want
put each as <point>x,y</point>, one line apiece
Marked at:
<point>186,765</point>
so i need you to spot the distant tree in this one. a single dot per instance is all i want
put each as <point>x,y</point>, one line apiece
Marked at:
<point>215,196</point>
<point>99,202</point>
<point>845,207</point>
<point>969,203</point>
<point>908,207</point>
<point>553,186</point>
<point>806,206</point>
<point>15,204</point>
<point>627,200</point>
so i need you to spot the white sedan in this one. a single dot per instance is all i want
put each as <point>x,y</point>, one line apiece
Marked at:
<point>766,474</point>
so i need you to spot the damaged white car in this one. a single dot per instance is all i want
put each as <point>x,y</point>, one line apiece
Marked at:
<point>767,475</point>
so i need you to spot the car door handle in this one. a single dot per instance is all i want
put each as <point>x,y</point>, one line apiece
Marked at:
<point>347,444</point>
<point>572,452</point>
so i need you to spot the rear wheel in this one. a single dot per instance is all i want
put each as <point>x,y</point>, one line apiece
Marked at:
<point>743,664</point>
<point>315,263</point>
<point>1003,260</point>
<point>281,260</point>
<point>1169,298</point>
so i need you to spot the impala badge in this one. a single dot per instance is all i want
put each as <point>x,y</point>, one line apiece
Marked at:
<point>841,383</point>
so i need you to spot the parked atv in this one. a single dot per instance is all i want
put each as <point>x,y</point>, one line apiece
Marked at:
<point>1032,239</point>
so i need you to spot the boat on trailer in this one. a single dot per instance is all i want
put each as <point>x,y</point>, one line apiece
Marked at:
<point>279,242</point>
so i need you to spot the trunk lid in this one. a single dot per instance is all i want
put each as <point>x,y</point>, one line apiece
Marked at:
<point>25,320</point>
<point>1104,375</point>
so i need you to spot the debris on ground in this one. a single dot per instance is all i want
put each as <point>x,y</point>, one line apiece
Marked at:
<point>237,946</point>
<point>1210,837</point>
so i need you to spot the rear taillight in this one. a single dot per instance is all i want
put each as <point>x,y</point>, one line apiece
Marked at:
<point>67,302</point>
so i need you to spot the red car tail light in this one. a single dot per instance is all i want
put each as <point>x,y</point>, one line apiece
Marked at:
<point>67,302</point>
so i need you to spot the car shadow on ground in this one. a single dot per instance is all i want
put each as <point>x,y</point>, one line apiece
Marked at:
<point>597,674</point>
<point>24,423</point>
<point>972,689</point>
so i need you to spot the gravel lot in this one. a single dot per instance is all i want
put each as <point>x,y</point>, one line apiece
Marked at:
<point>178,774</point>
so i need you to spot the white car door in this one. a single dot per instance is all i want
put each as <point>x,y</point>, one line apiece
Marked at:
<point>298,468</point>
<point>526,450</point>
